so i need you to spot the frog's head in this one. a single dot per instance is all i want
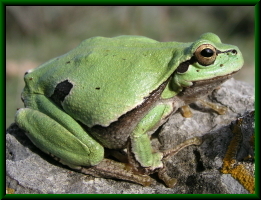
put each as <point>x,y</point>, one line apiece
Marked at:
<point>208,63</point>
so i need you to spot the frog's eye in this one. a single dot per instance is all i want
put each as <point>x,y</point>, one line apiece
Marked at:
<point>205,54</point>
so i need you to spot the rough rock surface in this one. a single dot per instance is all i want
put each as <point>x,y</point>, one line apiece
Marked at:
<point>197,168</point>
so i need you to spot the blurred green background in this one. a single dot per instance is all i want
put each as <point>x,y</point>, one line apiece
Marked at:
<point>35,34</point>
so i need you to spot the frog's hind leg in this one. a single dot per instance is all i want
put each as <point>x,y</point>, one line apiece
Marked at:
<point>59,135</point>
<point>55,132</point>
<point>108,168</point>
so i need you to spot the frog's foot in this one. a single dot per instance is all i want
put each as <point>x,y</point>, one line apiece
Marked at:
<point>162,173</point>
<point>108,168</point>
<point>185,111</point>
<point>175,150</point>
<point>169,181</point>
<point>221,110</point>
<point>111,169</point>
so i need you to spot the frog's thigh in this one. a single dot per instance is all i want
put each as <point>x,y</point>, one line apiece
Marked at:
<point>55,132</point>
<point>140,141</point>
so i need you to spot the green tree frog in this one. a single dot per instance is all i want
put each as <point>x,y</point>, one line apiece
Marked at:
<point>110,94</point>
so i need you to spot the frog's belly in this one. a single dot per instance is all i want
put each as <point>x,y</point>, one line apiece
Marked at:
<point>116,135</point>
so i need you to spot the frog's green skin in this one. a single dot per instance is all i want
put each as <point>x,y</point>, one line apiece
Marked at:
<point>108,91</point>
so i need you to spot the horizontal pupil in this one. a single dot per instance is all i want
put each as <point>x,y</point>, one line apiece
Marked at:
<point>207,52</point>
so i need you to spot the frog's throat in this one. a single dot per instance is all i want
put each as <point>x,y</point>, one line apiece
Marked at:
<point>202,88</point>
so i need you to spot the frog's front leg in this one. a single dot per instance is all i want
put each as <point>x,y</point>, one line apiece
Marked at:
<point>141,155</point>
<point>140,148</point>
<point>140,151</point>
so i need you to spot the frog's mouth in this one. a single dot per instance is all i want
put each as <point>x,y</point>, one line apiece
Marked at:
<point>202,87</point>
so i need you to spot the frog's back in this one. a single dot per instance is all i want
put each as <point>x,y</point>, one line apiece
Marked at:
<point>104,78</point>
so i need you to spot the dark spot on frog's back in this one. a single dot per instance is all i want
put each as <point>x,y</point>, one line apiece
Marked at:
<point>61,90</point>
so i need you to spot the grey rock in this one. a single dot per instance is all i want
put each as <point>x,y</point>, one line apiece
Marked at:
<point>197,168</point>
